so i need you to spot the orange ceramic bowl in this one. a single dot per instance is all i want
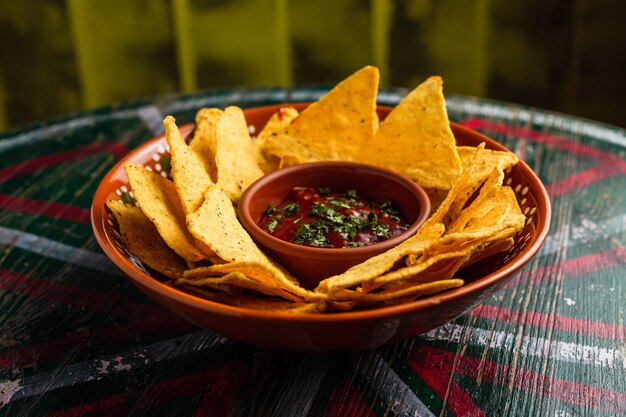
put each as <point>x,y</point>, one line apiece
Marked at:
<point>337,331</point>
<point>309,264</point>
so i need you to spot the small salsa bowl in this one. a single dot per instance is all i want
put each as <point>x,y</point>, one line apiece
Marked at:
<point>311,264</point>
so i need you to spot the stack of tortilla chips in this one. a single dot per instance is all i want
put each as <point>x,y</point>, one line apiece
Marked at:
<point>187,229</point>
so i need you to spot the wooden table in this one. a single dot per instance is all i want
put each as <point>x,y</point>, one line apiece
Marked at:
<point>77,338</point>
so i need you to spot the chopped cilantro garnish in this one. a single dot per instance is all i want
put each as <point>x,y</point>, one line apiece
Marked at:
<point>380,229</point>
<point>312,233</point>
<point>272,225</point>
<point>328,213</point>
<point>349,228</point>
<point>291,209</point>
<point>354,244</point>
<point>389,208</point>
<point>338,203</point>
<point>270,210</point>
<point>319,217</point>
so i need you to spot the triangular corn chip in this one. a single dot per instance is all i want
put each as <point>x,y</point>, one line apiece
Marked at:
<point>158,199</point>
<point>190,178</point>
<point>379,264</point>
<point>486,160</point>
<point>416,140</point>
<point>236,157</point>
<point>215,224</point>
<point>203,141</point>
<point>241,280</point>
<point>275,126</point>
<point>143,240</point>
<point>337,127</point>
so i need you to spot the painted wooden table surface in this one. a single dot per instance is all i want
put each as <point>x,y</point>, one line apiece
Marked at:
<point>77,338</point>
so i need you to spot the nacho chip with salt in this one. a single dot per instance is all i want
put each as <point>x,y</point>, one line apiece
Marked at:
<point>236,157</point>
<point>259,271</point>
<point>379,264</point>
<point>402,295</point>
<point>203,142</point>
<point>478,164</point>
<point>215,224</point>
<point>448,264</point>
<point>337,127</point>
<point>495,205</point>
<point>190,178</point>
<point>158,199</point>
<point>486,160</point>
<point>415,139</point>
<point>143,240</point>
<point>240,280</point>
<point>276,125</point>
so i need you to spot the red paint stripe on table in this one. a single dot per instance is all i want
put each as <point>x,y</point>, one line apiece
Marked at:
<point>70,295</point>
<point>223,381</point>
<point>439,378</point>
<point>346,400</point>
<point>584,178</point>
<point>441,362</point>
<point>47,208</point>
<point>560,142</point>
<point>570,268</point>
<point>568,324</point>
<point>576,266</point>
<point>116,149</point>
<point>219,399</point>
<point>39,353</point>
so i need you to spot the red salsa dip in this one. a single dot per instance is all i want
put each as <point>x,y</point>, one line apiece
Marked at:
<point>319,217</point>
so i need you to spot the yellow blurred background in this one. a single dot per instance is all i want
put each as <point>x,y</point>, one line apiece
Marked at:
<point>59,56</point>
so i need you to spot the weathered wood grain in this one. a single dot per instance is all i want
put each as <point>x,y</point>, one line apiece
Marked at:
<point>76,338</point>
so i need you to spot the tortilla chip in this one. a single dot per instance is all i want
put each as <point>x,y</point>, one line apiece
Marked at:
<point>498,207</point>
<point>215,224</point>
<point>239,299</point>
<point>274,126</point>
<point>402,295</point>
<point>436,197</point>
<point>158,199</point>
<point>486,160</point>
<point>260,271</point>
<point>484,202</point>
<point>236,157</point>
<point>452,262</point>
<point>379,264</point>
<point>203,142</point>
<point>490,248</point>
<point>478,164</point>
<point>275,305</point>
<point>415,139</point>
<point>337,127</point>
<point>239,279</point>
<point>461,192</point>
<point>142,239</point>
<point>190,178</point>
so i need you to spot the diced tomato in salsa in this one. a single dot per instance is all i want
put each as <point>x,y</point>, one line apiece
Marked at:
<point>326,219</point>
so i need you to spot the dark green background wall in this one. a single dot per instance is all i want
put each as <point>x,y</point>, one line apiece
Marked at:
<point>58,56</point>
